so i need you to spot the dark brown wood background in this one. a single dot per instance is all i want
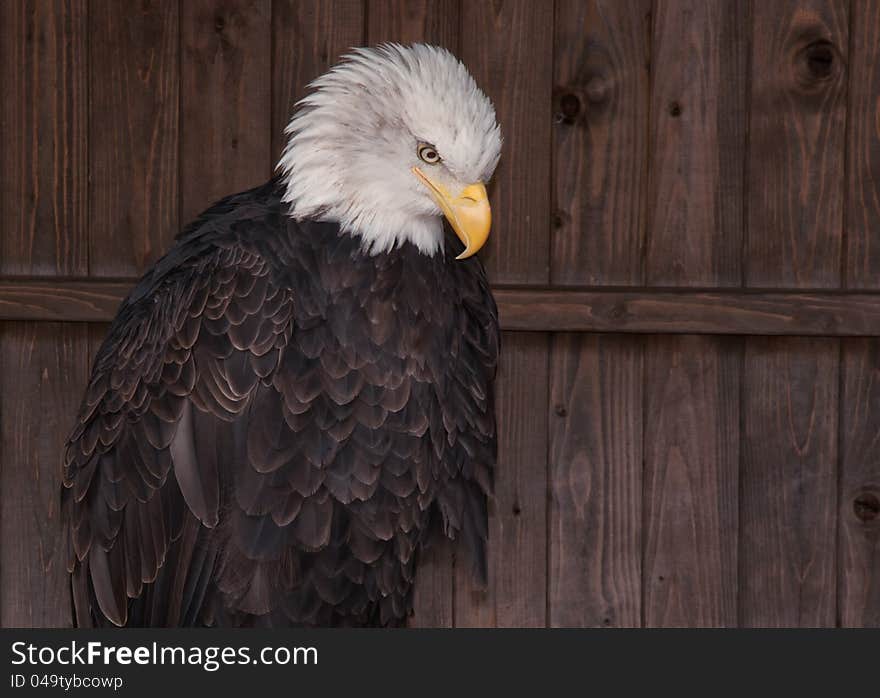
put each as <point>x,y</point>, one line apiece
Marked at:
<point>686,254</point>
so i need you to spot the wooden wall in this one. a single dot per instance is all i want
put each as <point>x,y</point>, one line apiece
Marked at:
<point>686,254</point>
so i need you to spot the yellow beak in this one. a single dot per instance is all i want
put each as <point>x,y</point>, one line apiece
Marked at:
<point>469,213</point>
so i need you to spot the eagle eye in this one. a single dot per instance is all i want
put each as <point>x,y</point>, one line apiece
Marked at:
<point>428,154</point>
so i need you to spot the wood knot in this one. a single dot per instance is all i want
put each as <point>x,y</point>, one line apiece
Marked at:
<point>567,105</point>
<point>560,410</point>
<point>219,23</point>
<point>866,506</point>
<point>560,218</point>
<point>517,510</point>
<point>675,109</point>
<point>819,56</point>
<point>816,63</point>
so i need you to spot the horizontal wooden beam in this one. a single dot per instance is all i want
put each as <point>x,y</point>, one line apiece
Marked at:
<point>744,312</point>
<point>633,310</point>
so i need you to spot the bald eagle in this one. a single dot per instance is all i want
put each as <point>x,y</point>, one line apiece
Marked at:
<point>298,397</point>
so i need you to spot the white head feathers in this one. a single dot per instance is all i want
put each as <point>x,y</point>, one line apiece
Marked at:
<point>354,140</point>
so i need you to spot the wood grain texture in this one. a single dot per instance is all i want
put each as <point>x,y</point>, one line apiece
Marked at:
<point>691,477</point>
<point>517,590</point>
<point>600,148</point>
<point>863,149</point>
<point>797,128</point>
<point>134,77</point>
<point>698,118</point>
<point>595,520</point>
<point>44,373</point>
<point>508,47</point>
<point>43,151</point>
<point>70,301</point>
<point>410,21</point>
<point>788,483</point>
<point>225,100</point>
<point>859,506</point>
<point>309,36</point>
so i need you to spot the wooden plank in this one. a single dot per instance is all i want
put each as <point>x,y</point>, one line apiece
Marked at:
<point>853,314</point>
<point>225,100</point>
<point>43,154</point>
<point>595,519</point>
<point>508,46</point>
<point>697,312</point>
<point>788,507</point>
<point>862,260</point>
<point>517,590</point>
<point>71,301</point>
<point>863,149</point>
<point>601,56</point>
<point>308,37</point>
<point>133,134</point>
<point>796,156</point>
<point>698,117</point>
<point>44,202</point>
<point>691,478</point>
<point>42,382</point>
<point>411,21</point>
<point>859,508</point>
<point>601,52</point>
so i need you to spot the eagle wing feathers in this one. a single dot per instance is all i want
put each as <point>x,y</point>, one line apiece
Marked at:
<point>140,464</point>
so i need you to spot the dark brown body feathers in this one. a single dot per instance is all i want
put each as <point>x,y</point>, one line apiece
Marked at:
<point>275,426</point>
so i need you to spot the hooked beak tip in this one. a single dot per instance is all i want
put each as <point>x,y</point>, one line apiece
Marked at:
<point>469,213</point>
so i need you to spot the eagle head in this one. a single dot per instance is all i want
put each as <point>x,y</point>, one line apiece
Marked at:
<point>388,142</point>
